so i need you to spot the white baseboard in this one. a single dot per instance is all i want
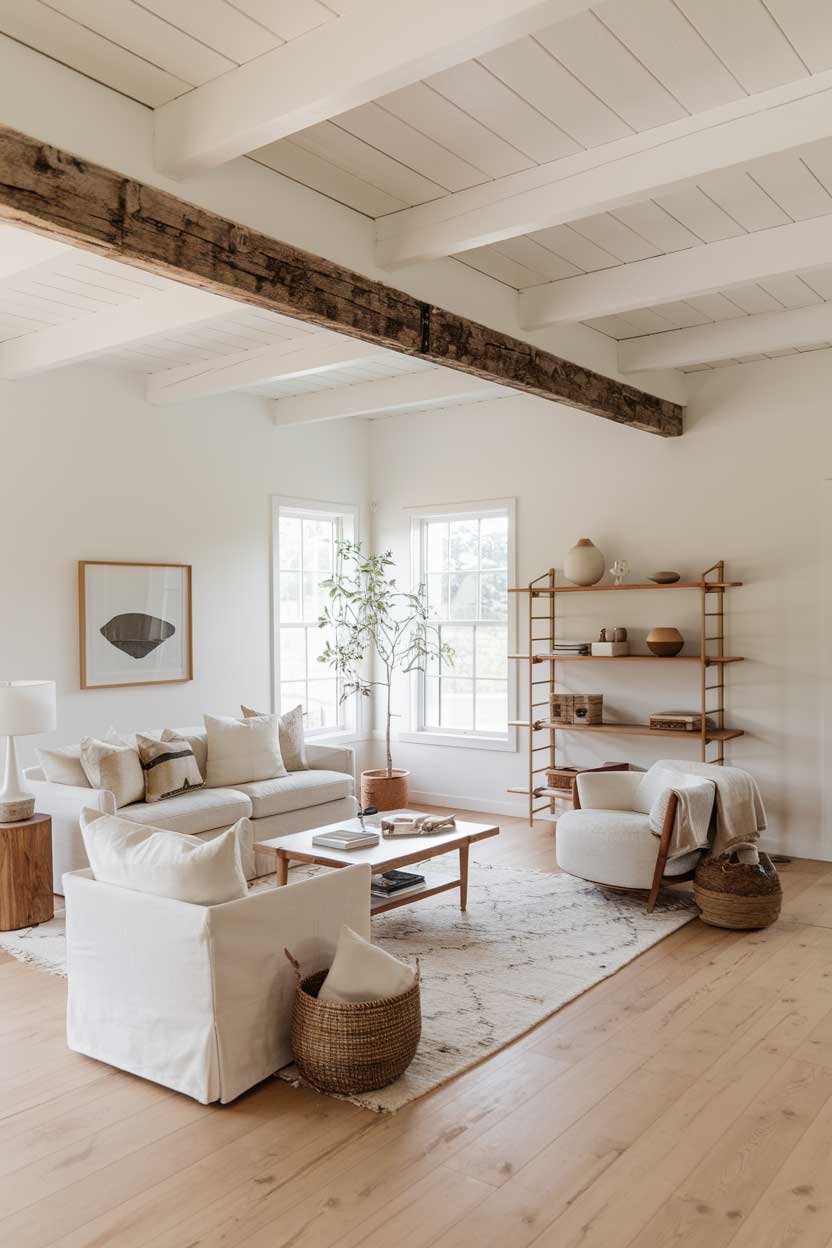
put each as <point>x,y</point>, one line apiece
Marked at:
<point>516,810</point>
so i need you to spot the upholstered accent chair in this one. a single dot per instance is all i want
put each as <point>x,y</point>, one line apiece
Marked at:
<point>624,832</point>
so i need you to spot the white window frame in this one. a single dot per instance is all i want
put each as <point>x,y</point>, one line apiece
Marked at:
<point>310,508</point>
<point>418,734</point>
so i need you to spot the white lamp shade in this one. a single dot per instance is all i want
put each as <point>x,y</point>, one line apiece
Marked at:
<point>26,706</point>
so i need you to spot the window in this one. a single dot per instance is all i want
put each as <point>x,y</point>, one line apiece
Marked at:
<point>464,558</point>
<point>305,537</point>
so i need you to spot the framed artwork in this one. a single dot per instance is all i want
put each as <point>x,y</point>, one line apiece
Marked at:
<point>135,623</point>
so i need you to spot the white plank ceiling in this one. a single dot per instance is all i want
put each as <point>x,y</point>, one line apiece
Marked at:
<point>621,68</point>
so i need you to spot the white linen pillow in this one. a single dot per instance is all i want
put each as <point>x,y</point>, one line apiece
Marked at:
<point>361,971</point>
<point>241,751</point>
<point>63,766</point>
<point>166,864</point>
<point>113,765</point>
<point>290,735</point>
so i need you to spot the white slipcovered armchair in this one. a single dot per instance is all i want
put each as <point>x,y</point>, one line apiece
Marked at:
<point>199,998</point>
<point>635,830</point>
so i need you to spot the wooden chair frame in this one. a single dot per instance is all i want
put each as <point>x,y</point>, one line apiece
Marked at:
<point>659,877</point>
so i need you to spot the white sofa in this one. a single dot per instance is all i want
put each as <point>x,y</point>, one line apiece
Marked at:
<point>199,998</point>
<point>292,803</point>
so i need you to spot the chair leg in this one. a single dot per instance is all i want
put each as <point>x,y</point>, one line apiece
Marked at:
<point>664,848</point>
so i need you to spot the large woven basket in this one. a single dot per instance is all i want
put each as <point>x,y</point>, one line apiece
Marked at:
<point>354,1047</point>
<point>736,894</point>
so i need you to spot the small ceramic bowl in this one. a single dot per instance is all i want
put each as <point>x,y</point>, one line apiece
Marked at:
<point>665,578</point>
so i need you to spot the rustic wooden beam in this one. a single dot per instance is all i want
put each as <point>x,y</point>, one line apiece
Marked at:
<point>61,195</point>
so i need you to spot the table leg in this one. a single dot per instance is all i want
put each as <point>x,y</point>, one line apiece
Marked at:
<point>282,870</point>
<point>463,877</point>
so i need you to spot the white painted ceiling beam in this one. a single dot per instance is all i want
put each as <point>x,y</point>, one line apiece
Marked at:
<point>378,46</point>
<point>89,336</point>
<point>658,161</point>
<point>298,357</point>
<point>428,387</point>
<point>680,275</point>
<point>726,340</point>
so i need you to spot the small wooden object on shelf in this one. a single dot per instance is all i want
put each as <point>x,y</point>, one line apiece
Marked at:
<point>26,873</point>
<point>577,708</point>
<point>543,741</point>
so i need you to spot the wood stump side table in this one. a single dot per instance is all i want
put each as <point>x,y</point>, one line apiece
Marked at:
<point>26,873</point>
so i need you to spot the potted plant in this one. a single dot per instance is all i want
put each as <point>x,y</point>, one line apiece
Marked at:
<point>366,612</point>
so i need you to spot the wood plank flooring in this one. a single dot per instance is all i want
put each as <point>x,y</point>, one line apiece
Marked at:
<point>685,1101</point>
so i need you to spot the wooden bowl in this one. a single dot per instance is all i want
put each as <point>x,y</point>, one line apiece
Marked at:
<point>664,642</point>
<point>665,578</point>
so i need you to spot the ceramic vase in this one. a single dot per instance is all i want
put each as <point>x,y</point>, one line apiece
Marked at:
<point>665,642</point>
<point>584,563</point>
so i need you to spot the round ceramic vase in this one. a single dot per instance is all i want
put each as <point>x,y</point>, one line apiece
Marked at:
<point>665,642</point>
<point>584,563</point>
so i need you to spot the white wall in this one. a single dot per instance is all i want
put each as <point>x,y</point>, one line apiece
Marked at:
<point>89,470</point>
<point>745,484</point>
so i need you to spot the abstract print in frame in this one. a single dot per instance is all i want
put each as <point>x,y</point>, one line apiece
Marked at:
<point>135,623</point>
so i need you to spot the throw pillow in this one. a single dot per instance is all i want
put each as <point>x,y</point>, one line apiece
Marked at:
<point>361,971</point>
<point>242,750</point>
<point>653,794</point>
<point>169,767</point>
<point>166,864</point>
<point>290,732</point>
<point>198,741</point>
<point>63,766</point>
<point>108,765</point>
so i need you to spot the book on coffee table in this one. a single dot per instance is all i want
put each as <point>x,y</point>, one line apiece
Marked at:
<point>344,839</point>
<point>391,883</point>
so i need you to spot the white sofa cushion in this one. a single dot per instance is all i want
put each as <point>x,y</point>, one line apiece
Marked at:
<point>615,847</point>
<point>165,864</point>
<point>63,766</point>
<point>113,765</point>
<point>192,813</point>
<point>241,751</point>
<point>290,735</point>
<point>361,971</point>
<point>295,791</point>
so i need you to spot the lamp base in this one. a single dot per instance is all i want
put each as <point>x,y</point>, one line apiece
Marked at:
<point>17,810</point>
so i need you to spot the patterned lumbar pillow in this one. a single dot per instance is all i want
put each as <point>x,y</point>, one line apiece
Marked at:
<point>113,765</point>
<point>169,767</point>
<point>197,739</point>
<point>290,731</point>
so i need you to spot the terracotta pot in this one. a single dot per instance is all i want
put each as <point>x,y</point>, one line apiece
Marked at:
<point>665,642</point>
<point>584,563</point>
<point>383,791</point>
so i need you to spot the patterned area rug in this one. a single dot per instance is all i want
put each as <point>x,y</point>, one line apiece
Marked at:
<point>529,942</point>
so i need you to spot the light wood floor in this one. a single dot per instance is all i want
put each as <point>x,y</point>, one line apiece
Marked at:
<point>686,1101</point>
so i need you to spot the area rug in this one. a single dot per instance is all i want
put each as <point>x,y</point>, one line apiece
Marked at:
<point>529,942</point>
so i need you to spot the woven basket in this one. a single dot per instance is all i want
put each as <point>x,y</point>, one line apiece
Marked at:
<point>357,1046</point>
<point>735,894</point>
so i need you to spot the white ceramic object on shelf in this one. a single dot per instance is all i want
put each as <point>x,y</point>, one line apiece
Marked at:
<point>584,563</point>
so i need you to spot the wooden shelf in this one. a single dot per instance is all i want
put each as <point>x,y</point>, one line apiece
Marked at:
<point>631,730</point>
<point>545,590</point>
<point>630,658</point>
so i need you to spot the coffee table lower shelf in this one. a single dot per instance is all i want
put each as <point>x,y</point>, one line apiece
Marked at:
<point>379,907</point>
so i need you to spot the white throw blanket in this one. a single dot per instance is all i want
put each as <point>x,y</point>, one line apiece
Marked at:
<point>740,814</point>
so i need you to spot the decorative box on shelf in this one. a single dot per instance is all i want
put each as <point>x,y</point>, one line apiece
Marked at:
<point>563,778</point>
<point>610,649</point>
<point>576,708</point>
<point>680,721</point>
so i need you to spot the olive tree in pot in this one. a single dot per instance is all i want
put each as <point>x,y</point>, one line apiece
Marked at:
<point>367,613</point>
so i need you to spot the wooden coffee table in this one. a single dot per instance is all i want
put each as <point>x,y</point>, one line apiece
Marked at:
<point>388,855</point>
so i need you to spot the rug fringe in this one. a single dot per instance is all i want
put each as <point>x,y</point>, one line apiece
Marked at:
<point>34,959</point>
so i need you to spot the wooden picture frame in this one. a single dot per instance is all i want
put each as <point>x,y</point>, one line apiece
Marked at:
<point>135,636</point>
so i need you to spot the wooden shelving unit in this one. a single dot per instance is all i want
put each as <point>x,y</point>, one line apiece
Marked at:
<point>543,591</point>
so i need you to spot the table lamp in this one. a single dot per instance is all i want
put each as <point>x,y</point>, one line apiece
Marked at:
<point>26,706</point>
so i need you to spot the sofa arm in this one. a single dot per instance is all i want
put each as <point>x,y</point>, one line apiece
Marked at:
<point>331,758</point>
<point>254,985</point>
<point>64,803</point>
<point>608,790</point>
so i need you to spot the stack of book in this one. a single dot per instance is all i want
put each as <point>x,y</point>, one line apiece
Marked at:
<point>396,883</point>
<point>572,647</point>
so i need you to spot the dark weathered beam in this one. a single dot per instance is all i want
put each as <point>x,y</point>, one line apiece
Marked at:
<point>70,198</point>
